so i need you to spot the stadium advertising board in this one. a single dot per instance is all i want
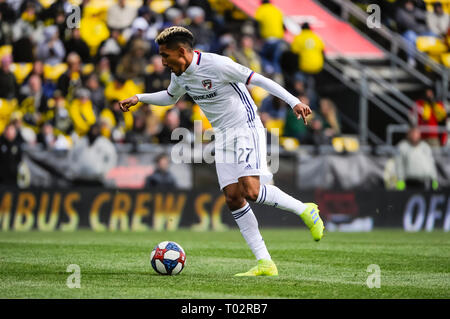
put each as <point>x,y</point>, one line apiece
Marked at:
<point>139,210</point>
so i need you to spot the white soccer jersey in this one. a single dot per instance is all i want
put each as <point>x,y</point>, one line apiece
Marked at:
<point>216,84</point>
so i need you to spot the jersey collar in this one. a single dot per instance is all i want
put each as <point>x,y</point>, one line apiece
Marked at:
<point>196,59</point>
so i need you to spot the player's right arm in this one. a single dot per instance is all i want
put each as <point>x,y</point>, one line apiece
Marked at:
<point>167,97</point>
<point>158,98</point>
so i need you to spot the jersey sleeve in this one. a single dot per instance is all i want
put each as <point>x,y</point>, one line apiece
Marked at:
<point>231,71</point>
<point>175,90</point>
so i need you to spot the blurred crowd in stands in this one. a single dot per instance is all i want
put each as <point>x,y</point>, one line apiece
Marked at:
<point>57,80</point>
<point>62,74</point>
<point>424,25</point>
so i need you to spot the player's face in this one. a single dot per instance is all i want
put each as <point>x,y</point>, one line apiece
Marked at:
<point>172,58</point>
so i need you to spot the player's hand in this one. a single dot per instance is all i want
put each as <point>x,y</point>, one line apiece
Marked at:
<point>127,103</point>
<point>302,110</point>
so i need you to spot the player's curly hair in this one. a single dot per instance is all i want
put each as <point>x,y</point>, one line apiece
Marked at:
<point>174,36</point>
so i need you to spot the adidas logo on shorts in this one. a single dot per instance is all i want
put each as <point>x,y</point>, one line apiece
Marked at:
<point>248,166</point>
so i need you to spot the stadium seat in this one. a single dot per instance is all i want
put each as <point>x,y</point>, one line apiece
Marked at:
<point>21,71</point>
<point>289,143</point>
<point>53,72</point>
<point>275,126</point>
<point>345,144</point>
<point>430,45</point>
<point>351,144</point>
<point>338,144</point>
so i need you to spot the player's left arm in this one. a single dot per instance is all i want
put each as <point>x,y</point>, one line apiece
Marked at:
<point>300,109</point>
<point>234,72</point>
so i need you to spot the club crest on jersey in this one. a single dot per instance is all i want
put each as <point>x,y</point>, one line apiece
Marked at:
<point>207,84</point>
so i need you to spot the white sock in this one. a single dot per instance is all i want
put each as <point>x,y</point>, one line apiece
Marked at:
<point>273,196</point>
<point>248,225</point>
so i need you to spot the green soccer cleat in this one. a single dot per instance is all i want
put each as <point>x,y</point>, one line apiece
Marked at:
<point>312,219</point>
<point>265,267</point>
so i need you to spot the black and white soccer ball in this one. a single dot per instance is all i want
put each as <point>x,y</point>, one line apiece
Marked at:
<point>168,258</point>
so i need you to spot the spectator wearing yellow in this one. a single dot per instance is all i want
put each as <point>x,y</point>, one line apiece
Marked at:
<point>271,30</point>
<point>310,50</point>
<point>120,89</point>
<point>270,20</point>
<point>115,123</point>
<point>6,112</point>
<point>82,112</point>
<point>93,29</point>
<point>432,114</point>
<point>309,47</point>
<point>30,13</point>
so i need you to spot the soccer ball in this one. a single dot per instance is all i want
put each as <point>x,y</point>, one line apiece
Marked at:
<point>168,258</point>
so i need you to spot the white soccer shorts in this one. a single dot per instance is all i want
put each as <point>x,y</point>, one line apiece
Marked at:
<point>241,152</point>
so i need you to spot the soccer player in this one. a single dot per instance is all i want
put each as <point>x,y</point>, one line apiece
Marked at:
<point>218,85</point>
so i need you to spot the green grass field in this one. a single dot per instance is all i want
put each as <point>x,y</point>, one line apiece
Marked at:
<point>116,265</point>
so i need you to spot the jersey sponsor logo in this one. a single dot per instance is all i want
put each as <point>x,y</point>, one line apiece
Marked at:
<point>207,84</point>
<point>204,96</point>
